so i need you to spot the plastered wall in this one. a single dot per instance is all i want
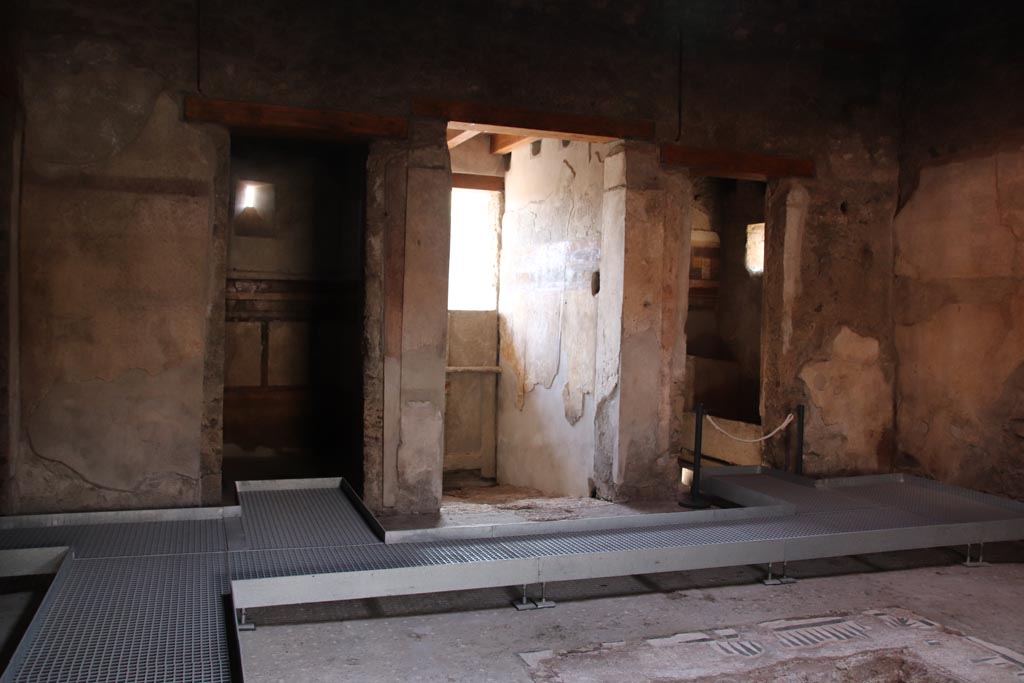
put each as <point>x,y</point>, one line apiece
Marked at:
<point>122,209</point>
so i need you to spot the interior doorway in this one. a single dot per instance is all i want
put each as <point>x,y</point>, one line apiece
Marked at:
<point>723,325</point>
<point>294,312</point>
<point>523,327</point>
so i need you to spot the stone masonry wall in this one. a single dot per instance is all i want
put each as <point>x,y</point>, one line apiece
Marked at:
<point>114,182</point>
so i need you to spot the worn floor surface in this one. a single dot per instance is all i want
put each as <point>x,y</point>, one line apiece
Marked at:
<point>470,500</point>
<point>600,629</point>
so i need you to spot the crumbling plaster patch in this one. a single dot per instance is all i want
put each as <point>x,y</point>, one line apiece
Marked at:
<point>851,407</point>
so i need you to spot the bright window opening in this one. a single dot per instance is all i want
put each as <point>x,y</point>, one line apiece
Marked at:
<point>754,259</point>
<point>473,263</point>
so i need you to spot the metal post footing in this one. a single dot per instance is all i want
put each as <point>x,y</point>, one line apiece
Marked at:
<point>970,561</point>
<point>524,603</point>
<point>527,603</point>
<point>543,602</point>
<point>778,581</point>
<point>242,624</point>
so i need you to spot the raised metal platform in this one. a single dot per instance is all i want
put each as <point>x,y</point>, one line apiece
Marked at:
<point>140,596</point>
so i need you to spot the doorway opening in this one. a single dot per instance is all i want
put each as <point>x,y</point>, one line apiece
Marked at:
<point>723,325</point>
<point>523,324</point>
<point>294,312</point>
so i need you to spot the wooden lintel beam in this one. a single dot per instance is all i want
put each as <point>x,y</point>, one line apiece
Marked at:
<point>472,181</point>
<point>273,119</point>
<point>514,121</point>
<point>502,143</point>
<point>456,137</point>
<point>724,163</point>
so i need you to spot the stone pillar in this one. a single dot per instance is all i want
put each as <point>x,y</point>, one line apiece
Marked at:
<point>637,327</point>
<point>386,170</point>
<point>211,445</point>
<point>609,326</point>
<point>420,451</point>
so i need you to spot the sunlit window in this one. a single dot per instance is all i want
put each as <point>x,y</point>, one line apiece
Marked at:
<point>254,209</point>
<point>754,259</point>
<point>473,264</point>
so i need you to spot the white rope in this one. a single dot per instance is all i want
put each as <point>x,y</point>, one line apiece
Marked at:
<point>785,423</point>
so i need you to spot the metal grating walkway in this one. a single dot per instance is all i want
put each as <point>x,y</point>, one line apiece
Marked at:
<point>155,619</point>
<point>144,601</point>
<point>302,518</point>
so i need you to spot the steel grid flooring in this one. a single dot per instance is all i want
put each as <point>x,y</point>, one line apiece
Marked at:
<point>144,601</point>
<point>302,518</point>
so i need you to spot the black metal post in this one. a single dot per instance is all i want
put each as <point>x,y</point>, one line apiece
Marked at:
<point>694,500</point>
<point>800,439</point>
<point>698,435</point>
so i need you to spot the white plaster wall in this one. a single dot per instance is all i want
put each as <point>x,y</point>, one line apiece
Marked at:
<point>551,246</point>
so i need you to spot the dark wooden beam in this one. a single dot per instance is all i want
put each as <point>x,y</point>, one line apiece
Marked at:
<point>273,119</point>
<point>724,163</point>
<point>514,121</point>
<point>472,181</point>
<point>502,143</point>
<point>456,137</point>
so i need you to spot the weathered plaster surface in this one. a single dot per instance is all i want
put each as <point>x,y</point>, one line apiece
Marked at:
<point>828,266</point>
<point>960,325</point>
<point>116,255</point>
<point>850,411</point>
<point>837,104</point>
<point>420,453</point>
<point>640,354</point>
<point>550,253</point>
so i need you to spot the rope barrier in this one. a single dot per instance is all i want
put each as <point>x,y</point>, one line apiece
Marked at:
<point>785,423</point>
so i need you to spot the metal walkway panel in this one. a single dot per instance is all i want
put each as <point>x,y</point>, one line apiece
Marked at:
<point>936,505</point>
<point>302,518</point>
<point>802,494</point>
<point>276,563</point>
<point>156,619</point>
<point>258,564</point>
<point>123,540</point>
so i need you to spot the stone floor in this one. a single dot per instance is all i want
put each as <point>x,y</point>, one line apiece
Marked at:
<point>615,629</point>
<point>470,500</point>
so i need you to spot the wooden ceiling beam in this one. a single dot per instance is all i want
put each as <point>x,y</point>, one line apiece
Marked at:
<point>299,122</point>
<point>724,163</point>
<point>472,181</point>
<point>502,143</point>
<point>486,118</point>
<point>456,137</point>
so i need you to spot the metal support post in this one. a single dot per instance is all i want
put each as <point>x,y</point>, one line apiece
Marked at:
<point>543,602</point>
<point>799,439</point>
<point>694,499</point>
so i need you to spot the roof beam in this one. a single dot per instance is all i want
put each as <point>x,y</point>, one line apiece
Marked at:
<point>530,123</point>
<point>472,181</point>
<point>502,143</point>
<point>456,137</point>
<point>299,122</point>
<point>724,163</point>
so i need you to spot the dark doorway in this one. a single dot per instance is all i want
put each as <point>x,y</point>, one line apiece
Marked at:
<point>723,325</point>
<point>294,303</point>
